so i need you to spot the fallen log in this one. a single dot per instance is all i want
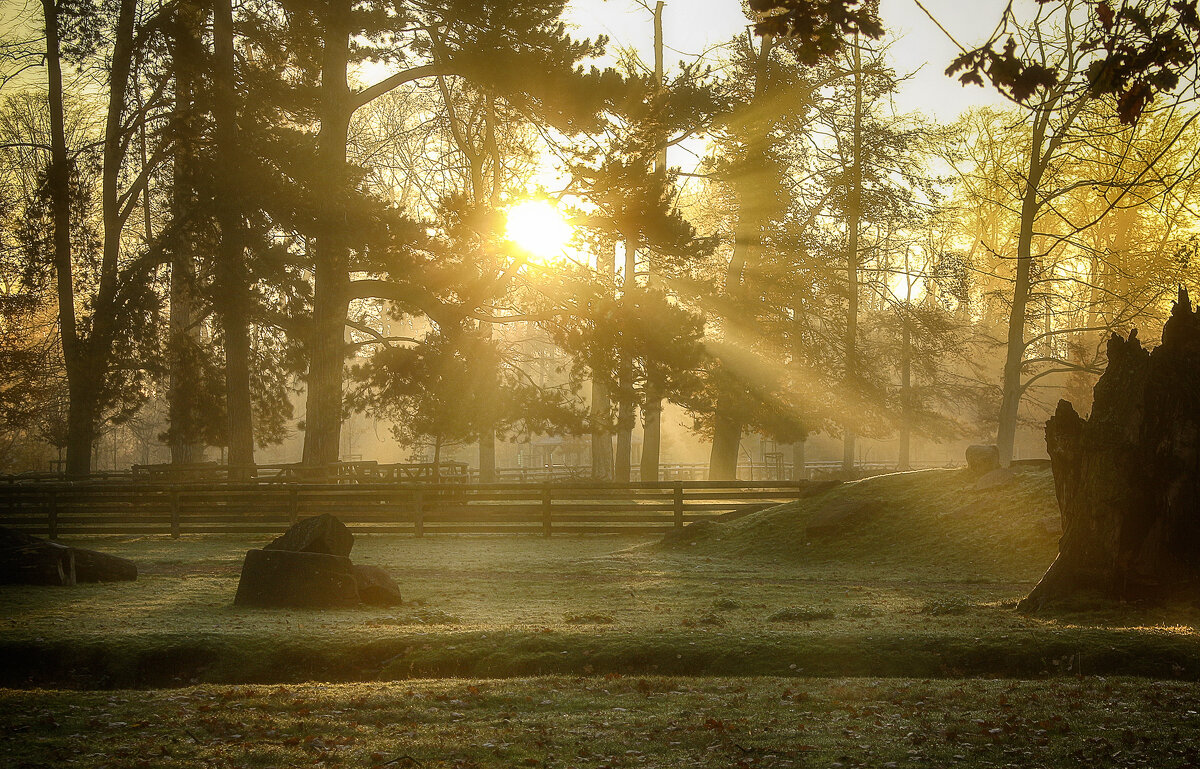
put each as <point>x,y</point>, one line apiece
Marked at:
<point>37,563</point>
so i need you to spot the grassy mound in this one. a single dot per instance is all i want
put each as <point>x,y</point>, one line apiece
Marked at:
<point>931,523</point>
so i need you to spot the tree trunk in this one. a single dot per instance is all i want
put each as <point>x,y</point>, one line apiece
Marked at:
<point>799,471</point>
<point>626,409</point>
<point>727,441</point>
<point>1011,387</point>
<point>184,327</point>
<point>80,414</point>
<point>652,414</point>
<point>651,435</point>
<point>906,395</point>
<point>727,423</point>
<point>853,216</point>
<point>1128,479</point>
<point>487,457</point>
<point>602,451</point>
<point>233,280</point>
<point>331,251</point>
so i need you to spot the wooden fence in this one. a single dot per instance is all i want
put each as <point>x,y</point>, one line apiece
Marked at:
<point>129,507</point>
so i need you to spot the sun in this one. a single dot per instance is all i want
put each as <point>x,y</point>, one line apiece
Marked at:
<point>538,228</point>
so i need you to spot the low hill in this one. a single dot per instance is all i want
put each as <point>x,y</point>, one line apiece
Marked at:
<point>932,524</point>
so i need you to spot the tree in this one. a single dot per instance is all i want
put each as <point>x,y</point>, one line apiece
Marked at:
<point>111,325</point>
<point>1080,175</point>
<point>521,53</point>
<point>454,387</point>
<point>874,165</point>
<point>1134,52</point>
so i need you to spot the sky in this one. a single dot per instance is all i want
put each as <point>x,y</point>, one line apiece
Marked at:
<point>692,26</point>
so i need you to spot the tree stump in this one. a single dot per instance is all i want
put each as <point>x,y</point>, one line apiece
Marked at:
<point>1128,478</point>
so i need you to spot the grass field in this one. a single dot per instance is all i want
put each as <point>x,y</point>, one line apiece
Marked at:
<point>613,722</point>
<point>926,588</point>
<point>744,643</point>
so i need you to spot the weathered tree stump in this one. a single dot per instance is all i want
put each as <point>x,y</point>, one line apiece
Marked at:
<point>1128,478</point>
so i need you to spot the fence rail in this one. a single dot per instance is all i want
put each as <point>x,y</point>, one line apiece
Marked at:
<point>147,508</point>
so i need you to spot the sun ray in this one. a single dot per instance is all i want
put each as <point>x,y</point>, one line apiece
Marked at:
<point>538,228</point>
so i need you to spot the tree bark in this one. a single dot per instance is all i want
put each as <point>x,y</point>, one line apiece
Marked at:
<point>88,359</point>
<point>652,413</point>
<point>853,217</point>
<point>487,457</point>
<point>626,409</point>
<point>233,279</point>
<point>799,470</point>
<point>904,462</point>
<point>184,328</point>
<point>728,424</point>
<point>331,251</point>
<point>602,450</point>
<point>80,421</point>
<point>727,441</point>
<point>1127,479</point>
<point>651,435</point>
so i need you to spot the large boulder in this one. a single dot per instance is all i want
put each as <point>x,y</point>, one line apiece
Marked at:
<point>319,534</point>
<point>982,460</point>
<point>294,580</point>
<point>376,587</point>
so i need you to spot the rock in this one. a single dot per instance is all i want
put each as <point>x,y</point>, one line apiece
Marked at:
<point>376,586</point>
<point>36,562</point>
<point>287,579</point>
<point>838,516</point>
<point>982,459</point>
<point>319,534</point>
<point>995,479</point>
<point>93,566</point>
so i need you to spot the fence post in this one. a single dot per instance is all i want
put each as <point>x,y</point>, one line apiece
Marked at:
<point>679,504</point>
<point>419,513</point>
<point>293,504</point>
<point>174,514</point>
<point>52,523</point>
<point>546,509</point>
